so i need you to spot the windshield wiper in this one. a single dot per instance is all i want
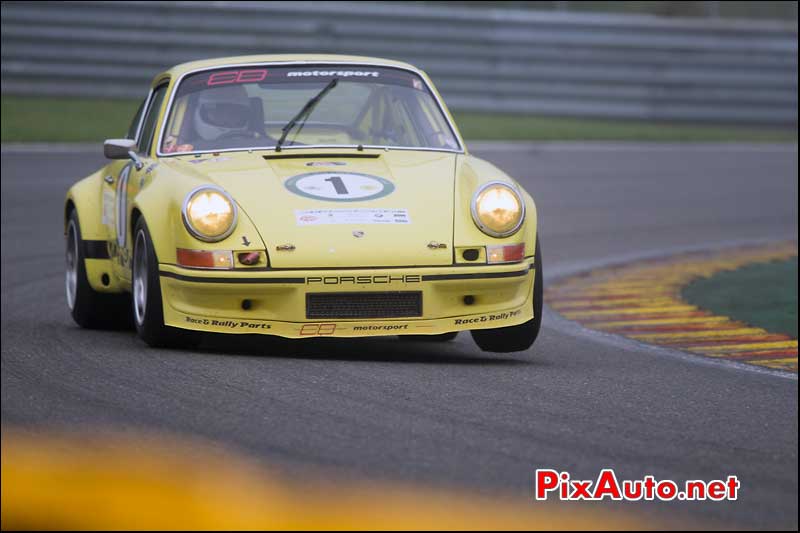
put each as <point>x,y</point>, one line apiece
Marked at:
<point>307,109</point>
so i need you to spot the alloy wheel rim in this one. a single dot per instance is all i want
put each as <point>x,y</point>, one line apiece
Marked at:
<point>71,277</point>
<point>140,278</point>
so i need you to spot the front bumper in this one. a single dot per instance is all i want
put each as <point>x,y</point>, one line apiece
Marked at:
<point>212,301</point>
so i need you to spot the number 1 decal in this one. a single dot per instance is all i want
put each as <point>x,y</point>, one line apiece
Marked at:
<point>338,184</point>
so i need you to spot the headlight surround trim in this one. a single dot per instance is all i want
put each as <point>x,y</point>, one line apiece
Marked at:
<point>194,232</point>
<point>474,209</point>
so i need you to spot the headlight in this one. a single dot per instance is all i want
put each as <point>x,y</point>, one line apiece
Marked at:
<point>209,214</point>
<point>498,209</point>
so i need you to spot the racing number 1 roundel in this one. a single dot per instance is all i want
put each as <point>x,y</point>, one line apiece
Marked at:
<point>339,186</point>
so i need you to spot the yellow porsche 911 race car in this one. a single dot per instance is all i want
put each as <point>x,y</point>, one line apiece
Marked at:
<point>301,196</point>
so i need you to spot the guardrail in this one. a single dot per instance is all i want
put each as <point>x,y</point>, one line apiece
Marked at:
<point>568,64</point>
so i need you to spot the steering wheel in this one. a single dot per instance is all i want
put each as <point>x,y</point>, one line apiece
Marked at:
<point>389,134</point>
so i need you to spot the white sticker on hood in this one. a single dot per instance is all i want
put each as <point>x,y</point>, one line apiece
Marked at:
<point>314,217</point>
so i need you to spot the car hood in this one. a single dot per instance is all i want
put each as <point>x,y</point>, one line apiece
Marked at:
<point>367,208</point>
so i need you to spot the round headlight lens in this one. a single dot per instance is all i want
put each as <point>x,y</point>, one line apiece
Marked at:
<point>498,209</point>
<point>209,213</point>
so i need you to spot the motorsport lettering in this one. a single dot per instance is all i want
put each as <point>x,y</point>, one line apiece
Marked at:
<point>338,73</point>
<point>388,327</point>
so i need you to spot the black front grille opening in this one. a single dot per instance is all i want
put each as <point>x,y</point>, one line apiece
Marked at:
<point>398,304</point>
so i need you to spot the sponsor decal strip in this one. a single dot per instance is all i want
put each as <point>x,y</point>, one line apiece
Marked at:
<point>345,326</point>
<point>642,301</point>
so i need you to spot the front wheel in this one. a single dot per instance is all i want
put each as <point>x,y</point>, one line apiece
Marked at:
<point>148,313</point>
<point>89,308</point>
<point>520,337</point>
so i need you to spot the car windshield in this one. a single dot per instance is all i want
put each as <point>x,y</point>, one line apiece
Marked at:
<point>248,107</point>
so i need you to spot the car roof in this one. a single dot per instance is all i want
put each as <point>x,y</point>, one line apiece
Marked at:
<point>183,68</point>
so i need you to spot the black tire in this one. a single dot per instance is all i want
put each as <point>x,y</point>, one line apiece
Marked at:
<point>90,309</point>
<point>146,304</point>
<point>442,337</point>
<point>521,337</point>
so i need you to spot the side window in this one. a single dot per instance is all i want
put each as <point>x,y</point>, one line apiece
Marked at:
<point>135,122</point>
<point>151,118</point>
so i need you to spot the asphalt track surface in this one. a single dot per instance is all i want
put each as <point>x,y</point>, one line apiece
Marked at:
<point>445,415</point>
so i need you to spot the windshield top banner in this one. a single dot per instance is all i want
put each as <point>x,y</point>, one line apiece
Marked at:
<point>299,74</point>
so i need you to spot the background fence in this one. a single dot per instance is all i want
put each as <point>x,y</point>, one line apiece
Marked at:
<point>482,59</point>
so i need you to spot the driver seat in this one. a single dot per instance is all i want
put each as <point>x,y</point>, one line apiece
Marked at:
<point>256,122</point>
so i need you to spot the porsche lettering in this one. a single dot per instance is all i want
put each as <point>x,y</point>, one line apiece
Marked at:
<point>363,280</point>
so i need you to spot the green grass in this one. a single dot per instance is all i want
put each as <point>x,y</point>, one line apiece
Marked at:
<point>31,119</point>
<point>763,294</point>
<point>64,119</point>
<point>762,9</point>
<point>507,127</point>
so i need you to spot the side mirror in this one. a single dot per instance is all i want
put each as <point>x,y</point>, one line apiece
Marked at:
<point>118,148</point>
<point>121,149</point>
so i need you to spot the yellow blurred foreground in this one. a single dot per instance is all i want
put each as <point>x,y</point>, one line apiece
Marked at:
<point>57,481</point>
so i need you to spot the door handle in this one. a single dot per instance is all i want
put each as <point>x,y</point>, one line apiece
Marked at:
<point>109,179</point>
